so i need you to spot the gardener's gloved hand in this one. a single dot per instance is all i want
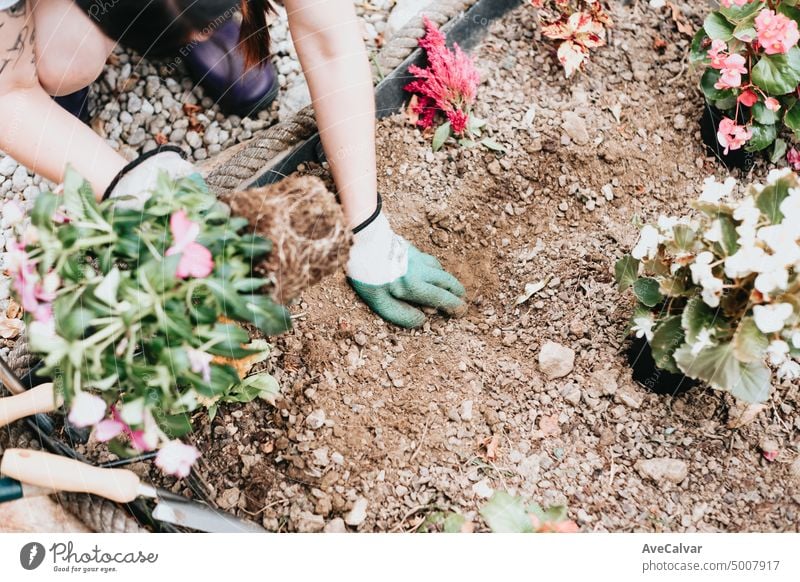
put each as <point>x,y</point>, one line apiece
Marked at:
<point>390,274</point>
<point>138,179</point>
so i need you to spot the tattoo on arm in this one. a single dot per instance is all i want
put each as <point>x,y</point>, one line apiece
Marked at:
<point>16,38</point>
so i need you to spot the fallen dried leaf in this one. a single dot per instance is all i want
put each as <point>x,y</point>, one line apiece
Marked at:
<point>743,414</point>
<point>14,309</point>
<point>683,26</point>
<point>530,290</point>
<point>492,446</point>
<point>161,139</point>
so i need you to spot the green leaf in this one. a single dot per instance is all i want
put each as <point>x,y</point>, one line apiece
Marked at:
<point>440,136</point>
<point>106,291</point>
<point>778,151</point>
<point>492,145</point>
<point>159,275</point>
<point>43,210</point>
<point>719,367</point>
<point>736,14</point>
<point>647,291</point>
<point>696,316</point>
<point>506,514</point>
<point>699,51</point>
<point>792,117</point>
<point>749,343</point>
<point>553,514</point>
<point>266,385</point>
<point>763,136</point>
<point>763,115</point>
<point>718,27</point>
<point>730,238</point>
<point>254,246</point>
<point>626,271</point>
<point>684,237</point>
<point>707,82</point>
<point>667,336</point>
<point>770,198</point>
<point>175,425</point>
<point>775,74</point>
<point>453,523</point>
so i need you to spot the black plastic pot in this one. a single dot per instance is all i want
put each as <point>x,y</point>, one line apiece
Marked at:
<point>709,122</point>
<point>646,373</point>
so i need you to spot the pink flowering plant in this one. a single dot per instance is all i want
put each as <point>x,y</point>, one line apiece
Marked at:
<point>578,26</point>
<point>752,72</point>
<point>135,312</point>
<point>717,295</point>
<point>446,91</point>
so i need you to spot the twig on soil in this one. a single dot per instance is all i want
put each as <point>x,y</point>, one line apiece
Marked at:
<point>679,74</point>
<point>421,441</point>
<point>263,509</point>
<point>408,514</point>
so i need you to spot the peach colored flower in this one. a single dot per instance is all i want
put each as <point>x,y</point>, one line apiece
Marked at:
<point>776,32</point>
<point>732,69</point>
<point>732,136</point>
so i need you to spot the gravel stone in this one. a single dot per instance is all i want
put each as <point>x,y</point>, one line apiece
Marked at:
<point>663,469</point>
<point>556,360</point>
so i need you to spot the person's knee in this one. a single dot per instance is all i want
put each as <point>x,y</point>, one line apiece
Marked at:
<point>62,72</point>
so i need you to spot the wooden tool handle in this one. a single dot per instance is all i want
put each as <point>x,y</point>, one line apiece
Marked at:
<point>38,399</point>
<point>62,474</point>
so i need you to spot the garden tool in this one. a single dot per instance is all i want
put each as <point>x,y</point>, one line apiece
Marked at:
<point>11,490</point>
<point>54,473</point>
<point>40,399</point>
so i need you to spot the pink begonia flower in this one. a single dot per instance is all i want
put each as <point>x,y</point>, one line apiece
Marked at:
<point>108,428</point>
<point>717,53</point>
<point>732,136</point>
<point>86,409</point>
<point>748,98</point>
<point>793,159</point>
<point>35,297</point>
<point>772,104</point>
<point>732,69</point>
<point>176,458</point>
<point>776,32</point>
<point>141,440</point>
<point>448,84</point>
<point>196,260</point>
<point>200,363</point>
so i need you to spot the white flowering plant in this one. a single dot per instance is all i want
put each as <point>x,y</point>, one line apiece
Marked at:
<point>137,313</point>
<point>718,294</point>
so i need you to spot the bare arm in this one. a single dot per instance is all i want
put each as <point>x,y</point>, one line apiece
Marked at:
<point>36,131</point>
<point>327,37</point>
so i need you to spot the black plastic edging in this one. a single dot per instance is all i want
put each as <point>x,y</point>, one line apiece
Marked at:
<point>467,30</point>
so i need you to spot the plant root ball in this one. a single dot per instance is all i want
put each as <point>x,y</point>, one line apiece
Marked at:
<point>306,226</point>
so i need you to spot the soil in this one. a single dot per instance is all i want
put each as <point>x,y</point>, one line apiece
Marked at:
<point>429,420</point>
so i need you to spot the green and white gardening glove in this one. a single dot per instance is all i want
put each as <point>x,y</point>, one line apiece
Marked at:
<point>391,275</point>
<point>139,178</point>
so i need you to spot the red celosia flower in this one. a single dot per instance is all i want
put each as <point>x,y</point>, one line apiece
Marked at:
<point>448,84</point>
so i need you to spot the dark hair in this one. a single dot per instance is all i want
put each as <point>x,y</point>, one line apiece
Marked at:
<point>162,27</point>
